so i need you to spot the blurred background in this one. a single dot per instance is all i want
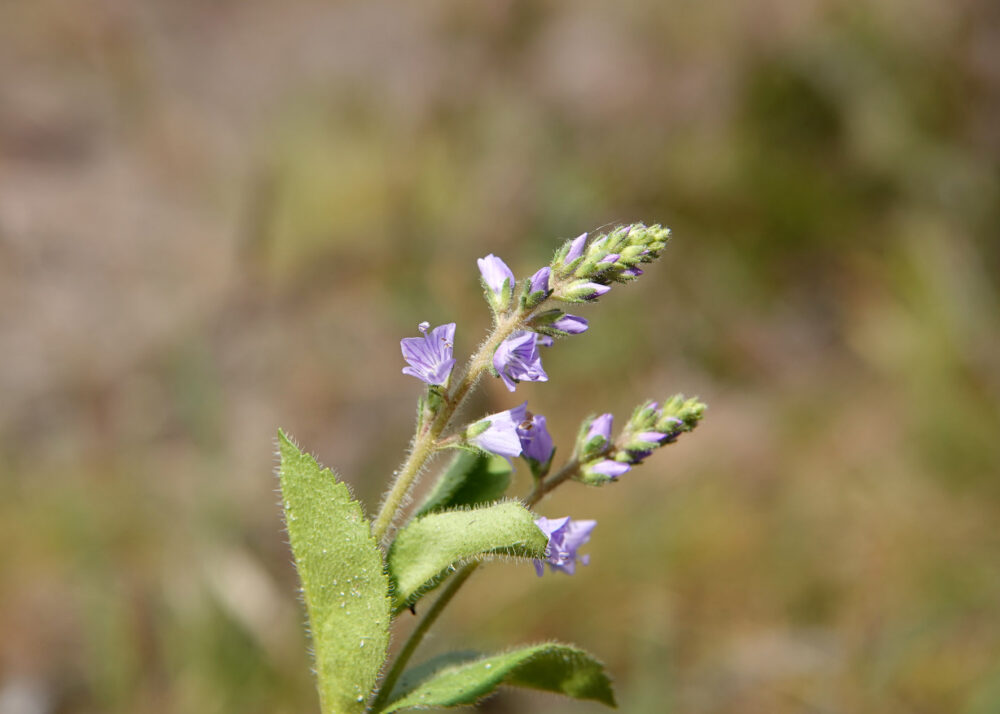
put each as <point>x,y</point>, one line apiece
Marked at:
<point>218,218</point>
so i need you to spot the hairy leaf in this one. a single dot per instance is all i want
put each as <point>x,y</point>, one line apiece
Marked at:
<point>550,667</point>
<point>428,548</point>
<point>344,584</point>
<point>471,479</point>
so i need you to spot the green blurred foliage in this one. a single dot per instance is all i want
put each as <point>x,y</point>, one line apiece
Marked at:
<point>219,218</point>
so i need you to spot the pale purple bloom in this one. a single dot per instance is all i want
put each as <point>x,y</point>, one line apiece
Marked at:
<point>566,537</point>
<point>601,426</point>
<point>501,436</point>
<point>595,290</point>
<point>540,280</point>
<point>495,272</point>
<point>536,443</point>
<point>576,248</point>
<point>611,257</point>
<point>571,324</point>
<point>653,437</point>
<point>517,360</point>
<point>611,469</point>
<point>430,357</point>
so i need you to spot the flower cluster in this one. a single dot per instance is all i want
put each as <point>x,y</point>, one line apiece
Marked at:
<point>650,427</point>
<point>582,270</point>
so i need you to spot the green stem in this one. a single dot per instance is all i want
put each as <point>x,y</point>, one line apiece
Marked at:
<point>424,441</point>
<point>542,488</point>
<point>385,691</point>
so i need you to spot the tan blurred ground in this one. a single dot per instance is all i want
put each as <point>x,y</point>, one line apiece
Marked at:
<point>218,218</point>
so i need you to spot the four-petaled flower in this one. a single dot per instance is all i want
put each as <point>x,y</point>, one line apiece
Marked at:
<point>517,360</point>
<point>565,538</point>
<point>430,357</point>
<point>497,433</point>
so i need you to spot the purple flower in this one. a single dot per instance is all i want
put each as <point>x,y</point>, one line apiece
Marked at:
<point>610,258</point>
<point>517,360</point>
<point>575,248</point>
<point>632,272</point>
<point>595,291</point>
<point>540,280</point>
<point>430,357</point>
<point>500,435</point>
<point>571,324</point>
<point>495,272</point>
<point>653,437</point>
<point>565,536</point>
<point>609,468</point>
<point>536,443</point>
<point>601,426</point>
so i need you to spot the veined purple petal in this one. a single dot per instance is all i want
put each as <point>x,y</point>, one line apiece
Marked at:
<point>517,360</point>
<point>501,436</point>
<point>571,324</point>
<point>609,468</point>
<point>536,442</point>
<point>601,426</point>
<point>576,248</point>
<point>566,537</point>
<point>495,272</point>
<point>430,357</point>
<point>540,280</point>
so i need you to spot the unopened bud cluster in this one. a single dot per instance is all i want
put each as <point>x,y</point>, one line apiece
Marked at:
<point>650,427</point>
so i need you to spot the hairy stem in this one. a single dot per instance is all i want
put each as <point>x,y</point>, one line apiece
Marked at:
<point>417,636</point>
<point>542,488</point>
<point>424,441</point>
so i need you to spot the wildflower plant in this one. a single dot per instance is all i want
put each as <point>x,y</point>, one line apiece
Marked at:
<point>359,575</point>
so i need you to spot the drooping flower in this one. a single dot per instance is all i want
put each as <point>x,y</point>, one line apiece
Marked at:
<point>497,433</point>
<point>495,272</point>
<point>566,536</point>
<point>517,360</point>
<point>536,442</point>
<point>430,357</point>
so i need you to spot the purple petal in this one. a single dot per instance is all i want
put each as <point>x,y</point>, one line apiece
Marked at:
<point>429,357</point>
<point>611,257</point>
<point>652,437</point>
<point>576,248</point>
<point>501,436</point>
<point>596,290</point>
<point>536,442</point>
<point>601,426</point>
<point>571,324</point>
<point>540,280</point>
<point>517,360</point>
<point>495,272</point>
<point>565,536</point>
<point>609,468</point>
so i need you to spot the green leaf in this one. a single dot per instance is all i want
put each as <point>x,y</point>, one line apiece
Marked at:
<point>471,479</point>
<point>429,547</point>
<point>551,667</point>
<point>344,584</point>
